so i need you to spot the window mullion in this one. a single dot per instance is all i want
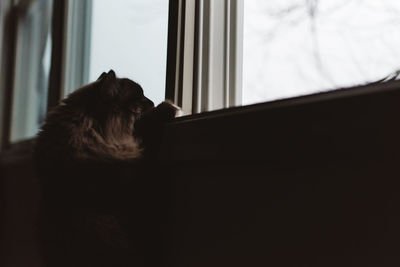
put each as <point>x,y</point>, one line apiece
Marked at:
<point>204,57</point>
<point>188,56</point>
<point>58,45</point>
<point>235,66</point>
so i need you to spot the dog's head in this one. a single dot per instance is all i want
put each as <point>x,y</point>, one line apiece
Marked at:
<point>110,96</point>
<point>98,119</point>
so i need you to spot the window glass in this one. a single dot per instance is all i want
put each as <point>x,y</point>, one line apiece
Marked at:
<point>32,68</point>
<point>130,37</point>
<point>294,48</point>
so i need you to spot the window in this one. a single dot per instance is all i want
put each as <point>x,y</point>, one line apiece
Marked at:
<point>294,48</point>
<point>32,68</point>
<point>250,51</point>
<point>129,36</point>
<point>208,74</point>
<point>202,54</point>
<point>47,57</point>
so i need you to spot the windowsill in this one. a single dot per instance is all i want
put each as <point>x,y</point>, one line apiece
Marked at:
<point>342,126</point>
<point>349,92</point>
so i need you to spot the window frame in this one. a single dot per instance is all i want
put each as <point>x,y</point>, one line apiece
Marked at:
<point>8,16</point>
<point>189,50</point>
<point>172,48</point>
<point>209,55</point>
<point>57,52</point>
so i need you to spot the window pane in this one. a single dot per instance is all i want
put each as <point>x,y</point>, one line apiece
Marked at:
<point>32,69</point>
<point>130,36</point>
<point>293,47</point>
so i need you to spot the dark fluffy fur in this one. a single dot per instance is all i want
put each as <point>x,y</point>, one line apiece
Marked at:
<point>90,156</point>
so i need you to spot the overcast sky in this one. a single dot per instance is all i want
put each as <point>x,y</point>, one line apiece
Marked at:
<point>296,47</point>
<point>130,36</point>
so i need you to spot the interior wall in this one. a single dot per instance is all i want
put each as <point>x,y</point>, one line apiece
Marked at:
<point>295,183</point>
<point>292,183</point>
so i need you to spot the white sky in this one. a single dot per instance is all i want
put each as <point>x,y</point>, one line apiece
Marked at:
<point>355,41</point>
<point>130,36</point>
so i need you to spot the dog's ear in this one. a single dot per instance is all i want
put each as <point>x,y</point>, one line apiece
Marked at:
<point>102,76</point>
<point>109,85</point>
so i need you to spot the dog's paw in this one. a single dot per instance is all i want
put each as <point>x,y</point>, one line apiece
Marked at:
<point>167,110</point>
<point>151,122</point>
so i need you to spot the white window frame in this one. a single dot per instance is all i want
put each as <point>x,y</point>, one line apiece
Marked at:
<point>209,55</point>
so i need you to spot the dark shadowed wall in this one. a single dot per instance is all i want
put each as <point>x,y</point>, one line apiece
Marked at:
<point>312,181</point>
